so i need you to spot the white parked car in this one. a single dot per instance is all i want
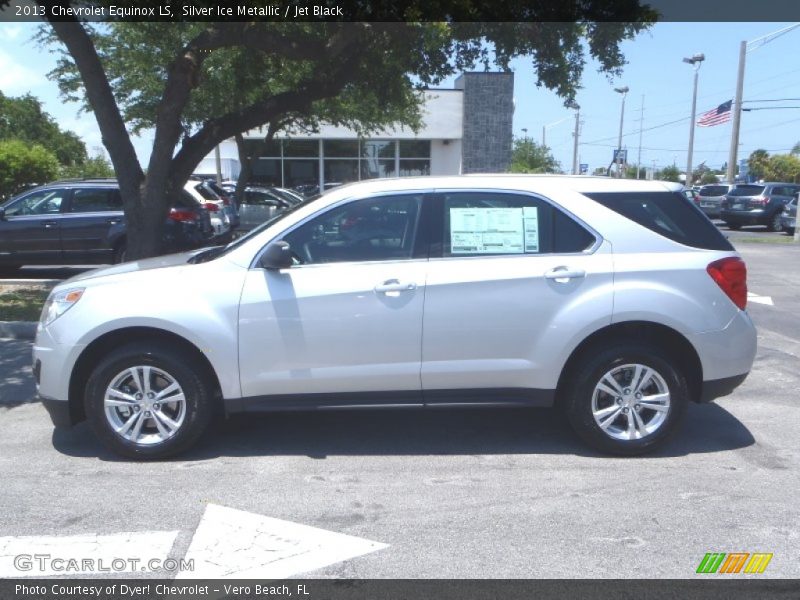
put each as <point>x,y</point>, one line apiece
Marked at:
<point>616,301</point>
<point>220,220</point>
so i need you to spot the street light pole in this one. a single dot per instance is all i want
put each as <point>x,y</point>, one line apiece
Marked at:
<point>695,60</point>
<point>624,91</point>
<point>575,142</point>
<point>641,126</point>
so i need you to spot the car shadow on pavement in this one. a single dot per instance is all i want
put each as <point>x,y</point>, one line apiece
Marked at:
<point>413,432</point>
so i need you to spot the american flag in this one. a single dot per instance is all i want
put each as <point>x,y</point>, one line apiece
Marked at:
<point>716,116</point>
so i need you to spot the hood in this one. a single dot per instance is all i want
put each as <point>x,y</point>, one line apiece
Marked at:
<point>159,262</point>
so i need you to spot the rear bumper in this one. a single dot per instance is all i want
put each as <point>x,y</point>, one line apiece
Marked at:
<point>717,388</point>
<point>745,217</point>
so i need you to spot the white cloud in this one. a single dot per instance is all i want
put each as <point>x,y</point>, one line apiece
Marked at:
<point>16,78</point>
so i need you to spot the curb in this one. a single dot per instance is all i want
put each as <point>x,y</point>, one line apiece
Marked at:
<point>18,330</point>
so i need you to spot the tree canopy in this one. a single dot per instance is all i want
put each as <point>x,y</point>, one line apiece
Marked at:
<point>23,164</point>
<point>197,84</point>
<point>529,157</point>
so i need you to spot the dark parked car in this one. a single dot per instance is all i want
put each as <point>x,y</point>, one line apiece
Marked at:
<point>757,204</point>
<point>82,222</point>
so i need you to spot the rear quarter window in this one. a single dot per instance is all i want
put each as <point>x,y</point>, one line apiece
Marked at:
<point>669,214</point>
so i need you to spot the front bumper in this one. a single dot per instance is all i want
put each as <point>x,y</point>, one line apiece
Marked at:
<point>59,412</point>
<point>720,387</point>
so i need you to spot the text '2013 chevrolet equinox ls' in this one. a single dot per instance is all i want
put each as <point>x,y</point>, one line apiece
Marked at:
<point>617,301</point>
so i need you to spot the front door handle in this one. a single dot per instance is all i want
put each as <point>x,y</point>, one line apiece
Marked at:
<point>395,286</point>
<point>113,221</point>
<point>564,274</point>
<point>50,224</point>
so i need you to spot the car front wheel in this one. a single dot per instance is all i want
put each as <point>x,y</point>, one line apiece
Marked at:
<point>774,224</point>
<point>147,401</point>
<point>627,399</point>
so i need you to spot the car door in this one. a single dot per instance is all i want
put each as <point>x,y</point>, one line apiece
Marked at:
<point>30,229</point>
<point>258,206</point>
<point>512,283</point>
<point>91,223</point>
<point>347,318</point>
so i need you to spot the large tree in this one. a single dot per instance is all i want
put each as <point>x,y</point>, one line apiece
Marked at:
<point>529,157</point>
<point>171,80</point>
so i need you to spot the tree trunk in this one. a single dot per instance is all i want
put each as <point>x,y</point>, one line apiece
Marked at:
<point>246,170</point>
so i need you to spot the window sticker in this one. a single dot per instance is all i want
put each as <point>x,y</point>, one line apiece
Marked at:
<point>494,230</point>
<point>530,217</point>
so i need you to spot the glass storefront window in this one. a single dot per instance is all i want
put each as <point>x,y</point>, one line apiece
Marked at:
<point>415,149</point>
<point>373,149</point>
<point>267,171</point>
<point>414,167</point>
<point>341,170</point>
<point>299,172</point>
<point>301,148</point>
<point>340,149</point>
<point>375,168</point>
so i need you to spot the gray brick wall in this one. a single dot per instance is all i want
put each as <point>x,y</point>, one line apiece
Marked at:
<point>488,114</point>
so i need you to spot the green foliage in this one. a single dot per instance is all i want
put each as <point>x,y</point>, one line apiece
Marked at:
<point>23,164</point>
<point>24,119</point>
<point>783,167</point>
<point>757,163</point>
<point>96,166</point>
<point>529,157</point>
<point>795,149</point>
<point>670,173</point>
<point>708,177</point>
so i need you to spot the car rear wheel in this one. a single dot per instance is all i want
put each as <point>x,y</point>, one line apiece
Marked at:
<point>774,223</point>
<point>627,399</point>
<point>148,401</point>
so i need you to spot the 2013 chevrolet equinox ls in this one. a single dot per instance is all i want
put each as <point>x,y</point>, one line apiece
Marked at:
<point>617,301</point>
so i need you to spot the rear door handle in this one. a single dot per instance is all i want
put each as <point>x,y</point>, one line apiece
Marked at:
<point>113,221</point>
<point>395,285</point>
<point>50,224</point>
<point>564,274</point>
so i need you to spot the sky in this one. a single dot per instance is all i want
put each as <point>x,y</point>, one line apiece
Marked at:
<point>655,75</point>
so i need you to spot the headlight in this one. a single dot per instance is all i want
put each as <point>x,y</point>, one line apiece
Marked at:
<point>58,303</point>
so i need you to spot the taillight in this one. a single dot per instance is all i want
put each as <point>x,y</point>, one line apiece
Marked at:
<point>760,201</point>
<point>724,201</point>
<point>182,216</point>
<point>730,274</point>
<point>211,207</point>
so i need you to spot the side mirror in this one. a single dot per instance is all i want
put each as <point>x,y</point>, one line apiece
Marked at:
<point>277,256</point>
<point>2,214</point>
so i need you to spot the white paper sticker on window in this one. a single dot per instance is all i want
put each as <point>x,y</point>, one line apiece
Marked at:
<point>487,231</point>
<point>530,216</point>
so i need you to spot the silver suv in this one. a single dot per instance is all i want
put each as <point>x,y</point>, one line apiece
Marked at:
<point>616,301</point>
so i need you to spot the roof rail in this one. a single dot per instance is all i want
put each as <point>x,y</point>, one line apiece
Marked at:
<point>86,180</point>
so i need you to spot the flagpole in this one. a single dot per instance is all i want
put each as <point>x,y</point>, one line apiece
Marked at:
<point>737,115</point>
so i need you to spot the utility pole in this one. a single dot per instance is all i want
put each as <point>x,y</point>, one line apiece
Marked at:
<point>737,115</point>
<point>696,61</point>
<point>575,142</point>
<point>624,91</point>
<point>544,145</point>
<point>641,126</point>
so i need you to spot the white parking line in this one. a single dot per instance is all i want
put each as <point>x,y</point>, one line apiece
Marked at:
<point>751,297</point>
<point>230,543</point>
<point>41,556</point>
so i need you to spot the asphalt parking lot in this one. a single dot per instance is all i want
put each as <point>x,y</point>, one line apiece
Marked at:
<point>462,494</point>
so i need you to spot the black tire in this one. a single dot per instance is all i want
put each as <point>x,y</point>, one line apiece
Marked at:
<point>121,253</point>
<point>189,374</point>
<point>733,226</point>
<point>585,376</point>
<point>774,223</point>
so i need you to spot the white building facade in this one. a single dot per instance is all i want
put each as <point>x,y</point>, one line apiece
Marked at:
<point>465,129</point>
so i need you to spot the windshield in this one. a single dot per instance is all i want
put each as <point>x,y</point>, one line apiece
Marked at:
<point>746,190</point>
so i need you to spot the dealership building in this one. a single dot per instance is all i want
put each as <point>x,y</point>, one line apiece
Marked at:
<point>466,129</point>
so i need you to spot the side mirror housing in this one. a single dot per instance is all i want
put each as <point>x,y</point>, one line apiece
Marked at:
<point>277,256</point>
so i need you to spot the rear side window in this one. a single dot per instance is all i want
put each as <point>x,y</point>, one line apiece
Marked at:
<point>746,190</point>
<point>667,213</point>
<point>95,200</point>
<point>714,190</point>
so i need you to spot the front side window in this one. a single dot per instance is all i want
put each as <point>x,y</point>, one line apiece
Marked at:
<point>490,223</point>
<point>374,229</point>
<point>46,202</point>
